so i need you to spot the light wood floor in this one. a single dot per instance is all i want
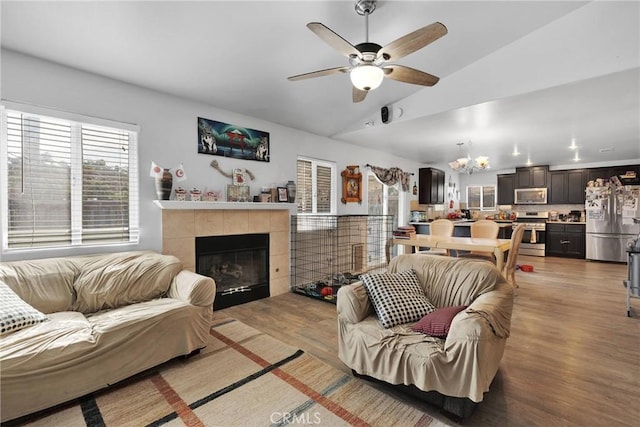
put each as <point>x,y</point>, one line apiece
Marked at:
<point>573,357</point>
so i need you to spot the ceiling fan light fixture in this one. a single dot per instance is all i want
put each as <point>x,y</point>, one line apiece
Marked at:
<point>366,77</point>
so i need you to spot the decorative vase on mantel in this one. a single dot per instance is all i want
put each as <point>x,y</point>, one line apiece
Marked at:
<point>291,190</point>
<point>164,185</point>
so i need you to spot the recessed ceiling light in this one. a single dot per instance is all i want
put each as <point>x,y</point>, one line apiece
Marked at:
<point>529,162</point>
<point>573,145</point>
<point>515,151</point>
<point>576,158</point>
<point>606,150</point>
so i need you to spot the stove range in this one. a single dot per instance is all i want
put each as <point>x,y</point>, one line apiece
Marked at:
<point>533,239</point>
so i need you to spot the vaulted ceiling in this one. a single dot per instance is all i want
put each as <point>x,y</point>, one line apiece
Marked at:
<point>517,76</point>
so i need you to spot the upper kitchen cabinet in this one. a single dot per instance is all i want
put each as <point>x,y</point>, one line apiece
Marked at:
<point>506,185</point>
<point>431,186</point>
<point>532,177</point>
<point>567,186</point>
<point>606,173</point>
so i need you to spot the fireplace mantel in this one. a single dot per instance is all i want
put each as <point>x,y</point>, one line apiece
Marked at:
<point>189,205</point>
<point>182,222</point>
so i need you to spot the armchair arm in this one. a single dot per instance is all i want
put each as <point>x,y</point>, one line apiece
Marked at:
<point>193,288</point>
<point>489,316</point>
<point>353,303</point>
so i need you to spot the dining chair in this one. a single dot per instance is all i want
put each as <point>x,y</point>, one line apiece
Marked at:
<point>439,227</point>
<point>483,229</point>
<point>514,248</point>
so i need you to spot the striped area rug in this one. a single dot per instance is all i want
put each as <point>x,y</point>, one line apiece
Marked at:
<point>243,378</point>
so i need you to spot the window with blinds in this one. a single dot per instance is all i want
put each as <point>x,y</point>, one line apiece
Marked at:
<point>67,183</point>
<point>481,197</point>
<point>316,187</point>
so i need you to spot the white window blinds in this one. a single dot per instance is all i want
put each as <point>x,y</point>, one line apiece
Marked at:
<point>68,183</point>
<point>316,188</point>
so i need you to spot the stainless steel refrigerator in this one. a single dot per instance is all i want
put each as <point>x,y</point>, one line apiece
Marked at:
<point>610,227</point>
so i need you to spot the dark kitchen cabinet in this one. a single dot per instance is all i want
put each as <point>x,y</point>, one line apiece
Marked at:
<point>594,173</point>
<point>576,183</point>
<point>557,187</point>
<point>506,185</point>
<point>565,240</point>
<point>431,190</point>
<point>567,186</point>
<point>532,177</point>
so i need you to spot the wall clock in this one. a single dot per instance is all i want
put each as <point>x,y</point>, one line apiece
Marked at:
<point>351,185</point>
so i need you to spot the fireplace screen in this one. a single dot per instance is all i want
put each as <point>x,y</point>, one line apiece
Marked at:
<point>239,264</point>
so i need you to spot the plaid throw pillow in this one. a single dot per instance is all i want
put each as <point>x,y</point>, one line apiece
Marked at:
<point>16,314</point>
<point>396,297</point>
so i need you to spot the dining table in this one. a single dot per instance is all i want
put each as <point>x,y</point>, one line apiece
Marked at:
<point>496,246</point>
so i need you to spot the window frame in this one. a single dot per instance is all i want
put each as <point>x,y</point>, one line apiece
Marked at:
<point>482,207</point>
<point>77,163</point>
<point>314,184</point>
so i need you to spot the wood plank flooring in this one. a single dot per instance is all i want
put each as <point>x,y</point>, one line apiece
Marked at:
<point>573,357</point>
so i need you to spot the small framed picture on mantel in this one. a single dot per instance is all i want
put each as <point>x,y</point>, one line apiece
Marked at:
<point>238,193</point>
<point>283,194</point>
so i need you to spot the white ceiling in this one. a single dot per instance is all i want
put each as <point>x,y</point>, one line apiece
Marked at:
<point>532,75</point>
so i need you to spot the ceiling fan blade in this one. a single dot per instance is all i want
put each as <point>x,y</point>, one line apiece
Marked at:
<point>413,41</point>
<point>334,40</point>
<point>359,95</point>
<point>319,73</point>
<point>409,75</point>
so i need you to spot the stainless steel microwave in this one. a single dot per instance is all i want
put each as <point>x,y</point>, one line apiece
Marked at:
<point>530,196</point>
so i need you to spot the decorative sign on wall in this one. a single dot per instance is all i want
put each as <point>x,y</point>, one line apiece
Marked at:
<point>223,139</point>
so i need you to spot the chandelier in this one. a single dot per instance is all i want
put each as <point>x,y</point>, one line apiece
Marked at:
<point>465,165</point>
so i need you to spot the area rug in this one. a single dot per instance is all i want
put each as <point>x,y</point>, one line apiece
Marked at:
<point>243,378</point>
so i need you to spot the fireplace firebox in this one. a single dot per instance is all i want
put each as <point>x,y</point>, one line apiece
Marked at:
<point>239,264</point>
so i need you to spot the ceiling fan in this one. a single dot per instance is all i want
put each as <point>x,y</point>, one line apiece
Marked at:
<point>369,62</point>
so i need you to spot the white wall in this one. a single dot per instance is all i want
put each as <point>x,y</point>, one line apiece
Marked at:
<point>168,136</point>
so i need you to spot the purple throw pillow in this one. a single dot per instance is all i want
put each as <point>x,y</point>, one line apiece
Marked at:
<point>438,322</point>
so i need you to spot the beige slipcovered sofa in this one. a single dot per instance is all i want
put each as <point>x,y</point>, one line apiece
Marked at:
<point>108,317</point>
<point>453,373</point>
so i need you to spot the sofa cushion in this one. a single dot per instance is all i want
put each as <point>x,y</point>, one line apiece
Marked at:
<point>438,322</point>
<point>111,281</point>
<point>16,314</point>
<point>396,297</point>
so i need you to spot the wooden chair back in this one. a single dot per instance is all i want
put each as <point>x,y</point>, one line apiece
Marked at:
<point>514,248</point>
<point>439,227</point>
<point>486,229</point>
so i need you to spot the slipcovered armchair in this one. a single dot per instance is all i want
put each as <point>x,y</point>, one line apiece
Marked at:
<point>452,371</point>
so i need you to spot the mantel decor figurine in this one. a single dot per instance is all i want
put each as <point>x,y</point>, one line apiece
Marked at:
<point>291,189</point>
<point>164,179</point>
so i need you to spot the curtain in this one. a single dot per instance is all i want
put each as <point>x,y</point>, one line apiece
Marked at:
<point>392,176</point>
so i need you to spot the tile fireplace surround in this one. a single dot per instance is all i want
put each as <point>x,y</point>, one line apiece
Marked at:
<point>182,222</point>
